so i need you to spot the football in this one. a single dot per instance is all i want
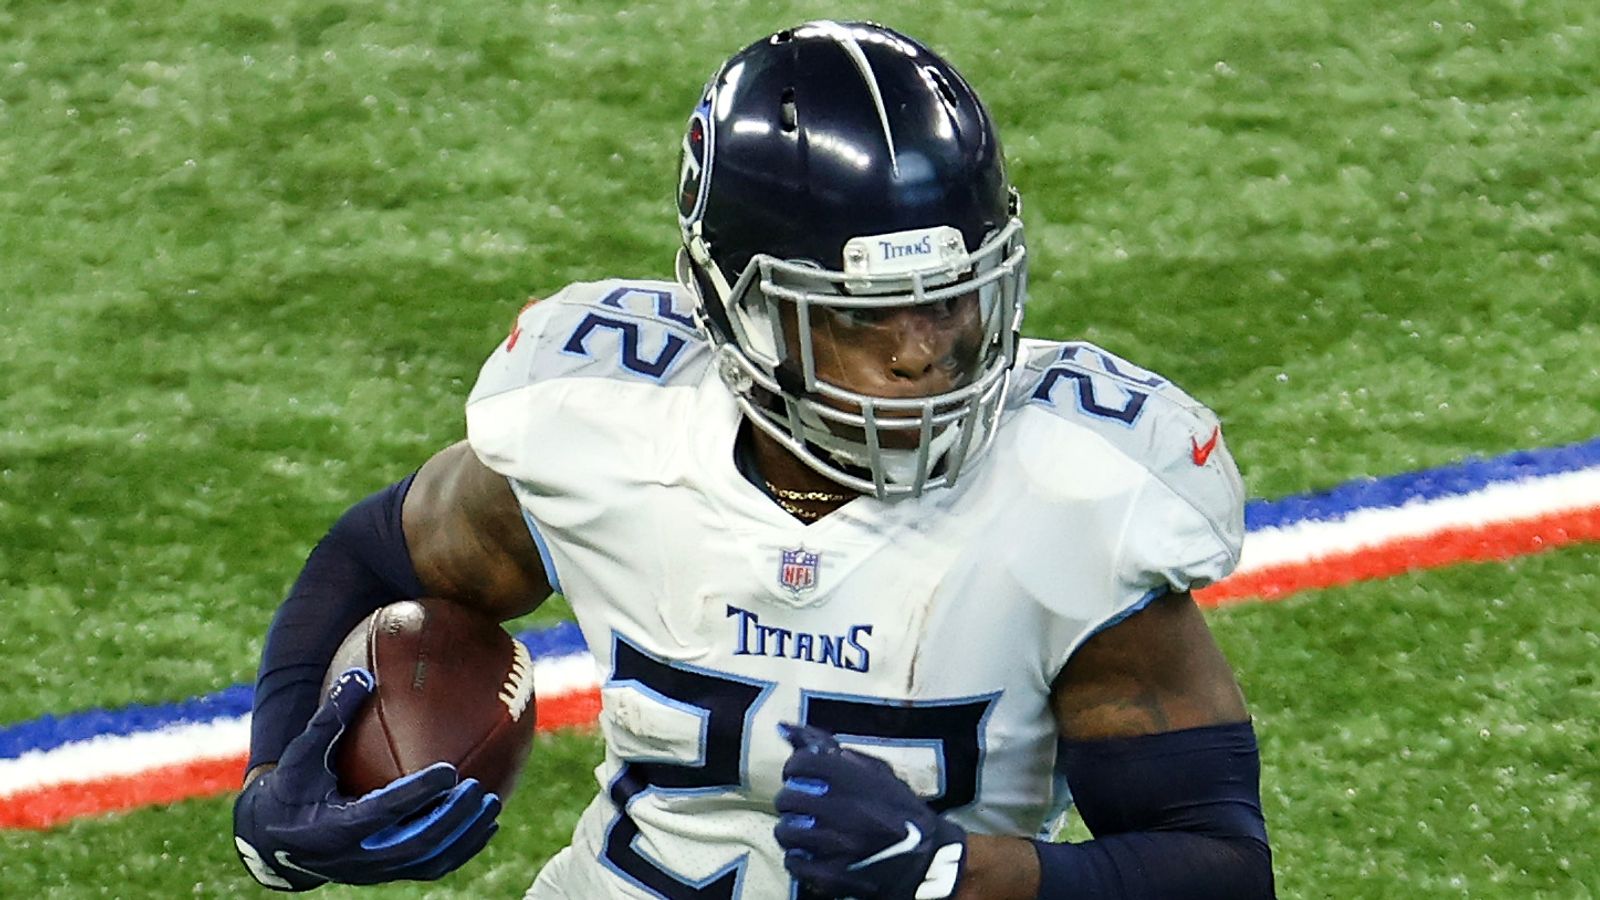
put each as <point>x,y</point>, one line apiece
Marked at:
<point>450,686</point>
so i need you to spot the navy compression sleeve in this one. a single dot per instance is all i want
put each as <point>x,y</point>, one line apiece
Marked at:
<point>1175,815</point>
<point>361,564</point>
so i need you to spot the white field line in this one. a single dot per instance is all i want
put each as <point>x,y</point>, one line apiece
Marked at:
<point>1364,528</point>
<point>115,755</point>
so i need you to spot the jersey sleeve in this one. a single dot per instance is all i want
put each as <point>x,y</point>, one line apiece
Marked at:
<point>502,423</point>
<point>1182,520</point>
<point>545,405</point>
<point>1186,525</point>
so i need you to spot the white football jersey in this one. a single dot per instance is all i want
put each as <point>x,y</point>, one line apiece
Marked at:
<point>926,631</point>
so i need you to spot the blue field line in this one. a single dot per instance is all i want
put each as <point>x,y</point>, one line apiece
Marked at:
<point>561,639</point>
<point>1429,484</point>
<point>47,732</point>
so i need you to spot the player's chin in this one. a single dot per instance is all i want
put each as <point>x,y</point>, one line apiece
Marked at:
<point>903,438</point>
<point>900,432</point>
<point>896,429</point>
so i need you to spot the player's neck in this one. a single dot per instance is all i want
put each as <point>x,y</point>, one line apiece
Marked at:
<point>786,478</point>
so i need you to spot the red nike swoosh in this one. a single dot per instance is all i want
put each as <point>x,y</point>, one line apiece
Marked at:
<point>1202,452</point>
<point>516,324</point>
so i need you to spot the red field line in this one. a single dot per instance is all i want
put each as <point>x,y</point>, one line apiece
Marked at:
<point>1499,541</point>
<point>47,806</point>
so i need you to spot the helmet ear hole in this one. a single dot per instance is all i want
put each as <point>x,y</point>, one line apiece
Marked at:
<point>788,116</point>
<point>941,83</point>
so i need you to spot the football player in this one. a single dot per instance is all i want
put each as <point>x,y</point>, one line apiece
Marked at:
<point>875,583</point>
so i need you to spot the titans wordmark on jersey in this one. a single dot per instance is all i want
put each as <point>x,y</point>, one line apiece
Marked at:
<point>926,631</point>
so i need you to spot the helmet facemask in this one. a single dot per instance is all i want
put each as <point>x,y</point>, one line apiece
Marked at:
<point>888,446</point>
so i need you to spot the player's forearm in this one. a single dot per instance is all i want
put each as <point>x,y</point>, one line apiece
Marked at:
<point>1124,866</point>
<point>1174,813</point>
<point>1177,813</point>
<point>1155,864</point>
<point>999,868</point>
<point>361,565</point>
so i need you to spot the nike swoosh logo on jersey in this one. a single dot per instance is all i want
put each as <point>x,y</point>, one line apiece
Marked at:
<point>1202,452</point>
<point>516,325</point>
<point>904,845</point>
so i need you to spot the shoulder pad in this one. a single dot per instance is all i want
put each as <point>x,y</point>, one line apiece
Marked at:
<point>604,329</point>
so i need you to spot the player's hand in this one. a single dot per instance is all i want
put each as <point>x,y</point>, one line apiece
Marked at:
<point>850,828</point>
<point>295,831</point>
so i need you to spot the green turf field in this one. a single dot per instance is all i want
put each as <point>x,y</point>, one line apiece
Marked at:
<point>252,255</point>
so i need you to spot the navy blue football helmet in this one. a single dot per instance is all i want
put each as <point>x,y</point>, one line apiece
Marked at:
<point>846,169</point>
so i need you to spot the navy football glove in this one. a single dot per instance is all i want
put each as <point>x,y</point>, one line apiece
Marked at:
<point>850,827</point>
<point>294,831</point>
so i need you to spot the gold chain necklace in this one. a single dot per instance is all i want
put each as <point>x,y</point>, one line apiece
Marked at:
<point>821,496</point>
<point>785,497</point>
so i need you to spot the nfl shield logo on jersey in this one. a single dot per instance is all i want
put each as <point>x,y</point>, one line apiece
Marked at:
<point>797,570</point>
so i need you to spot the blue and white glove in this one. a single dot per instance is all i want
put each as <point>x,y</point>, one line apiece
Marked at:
<point>849,827</point>
<point>294,831</point>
